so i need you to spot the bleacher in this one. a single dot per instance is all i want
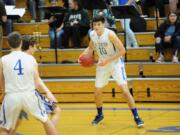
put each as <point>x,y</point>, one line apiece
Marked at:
<point>148,81</point>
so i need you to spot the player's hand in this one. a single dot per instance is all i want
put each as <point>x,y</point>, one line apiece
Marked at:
<point>79,57</point>
<point>51,97</point>
<point>84,53</point>
<point>103,62</point>
<point>79,61</point>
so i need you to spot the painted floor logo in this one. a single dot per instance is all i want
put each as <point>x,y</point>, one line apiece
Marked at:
<point>166,129</point>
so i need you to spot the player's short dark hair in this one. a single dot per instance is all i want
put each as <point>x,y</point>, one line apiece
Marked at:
<point>98,18</point>
<point>14,39</point>
<point>27,41</point>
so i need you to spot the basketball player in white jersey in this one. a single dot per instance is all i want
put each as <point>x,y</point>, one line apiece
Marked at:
<point>110,51</point>
<point>29,46</point>
<point>18,79</point>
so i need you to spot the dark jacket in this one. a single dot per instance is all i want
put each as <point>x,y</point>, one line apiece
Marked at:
<point>81,15</point>
<point>162,29</point>
<point>2,11</point>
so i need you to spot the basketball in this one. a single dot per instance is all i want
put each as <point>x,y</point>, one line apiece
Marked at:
<point>86,60</point>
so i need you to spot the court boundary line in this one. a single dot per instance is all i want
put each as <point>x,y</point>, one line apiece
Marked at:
<point>120,109</point>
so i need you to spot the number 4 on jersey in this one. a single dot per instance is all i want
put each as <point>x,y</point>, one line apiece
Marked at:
<point>18,67</point>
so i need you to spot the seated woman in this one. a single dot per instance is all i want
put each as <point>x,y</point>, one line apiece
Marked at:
<point>168,36</point>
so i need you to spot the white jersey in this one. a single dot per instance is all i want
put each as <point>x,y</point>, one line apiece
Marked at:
<point>103,45</point>
<point>19,71</point>
<point>105,49</point>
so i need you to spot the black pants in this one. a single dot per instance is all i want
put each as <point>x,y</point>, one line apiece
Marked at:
<point>76,32</point>
<point>160,47</point>
<point>150,3</point>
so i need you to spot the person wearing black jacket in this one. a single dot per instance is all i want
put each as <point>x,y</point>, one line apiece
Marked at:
<point>3,19</point>
<point>159,4</point>
<point>76,23</point>
<point>54,24</point>
<point>168,36</point>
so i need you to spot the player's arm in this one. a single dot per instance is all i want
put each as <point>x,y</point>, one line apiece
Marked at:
<point>36,76</point>
<point>88,50</point>
<point>40,84</point>
<point>118,44</point>
<point>2,90</point>
<point>47,91</point>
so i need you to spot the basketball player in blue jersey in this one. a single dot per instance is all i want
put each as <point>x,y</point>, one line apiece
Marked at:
<point>110,51</point>
<point>29,46</point>
<point>19,78</point>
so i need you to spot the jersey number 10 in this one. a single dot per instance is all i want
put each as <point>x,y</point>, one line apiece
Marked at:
<point>103,51</point>
<point>18,67</point>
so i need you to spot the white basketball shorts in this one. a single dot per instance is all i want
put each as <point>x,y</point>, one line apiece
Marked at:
<point>14,103</point>
<point>115,69</point>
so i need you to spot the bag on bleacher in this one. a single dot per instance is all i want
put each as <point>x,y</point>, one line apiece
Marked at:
<point>138,24</point>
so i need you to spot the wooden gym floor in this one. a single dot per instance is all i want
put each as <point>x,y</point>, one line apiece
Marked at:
<point>160,119</point>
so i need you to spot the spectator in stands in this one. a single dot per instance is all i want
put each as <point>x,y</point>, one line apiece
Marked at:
<point>9,26</point>
<point>109,18</point>
<point>130,36</point>
<point>173,5</point>
<point>65,3</point>
<point>159,4</point>
<point>112,2</point>
<point>10,2</point>
<point>178,5</point>
<point>33,6</point>
<point>76,23</point>
<point>168,36</point>
<point>3,19</point>
<point>54,24</point>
